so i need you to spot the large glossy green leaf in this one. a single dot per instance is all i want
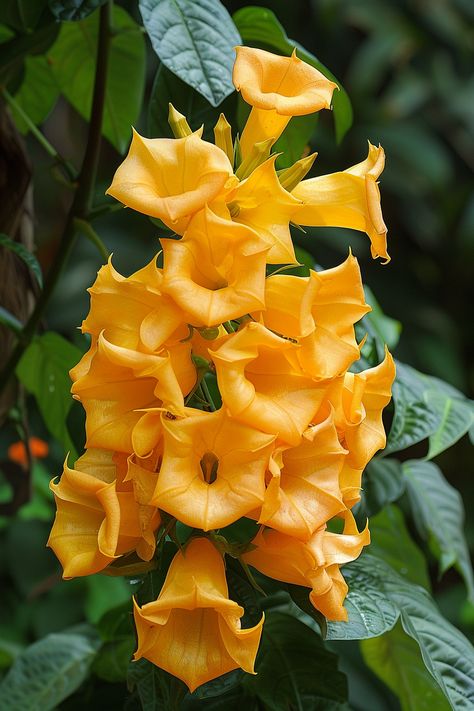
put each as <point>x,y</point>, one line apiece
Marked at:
<point>37,94</point>
<point>73,61</point>
<point>391,542</point>
<point>396,659</point>
<point>44,371</point>
<point>195,39</point>
<point>74,9</point>
<point>382,484</point>
<point>25,255</point>
<point>370,612</point>
<point>438,513</point>
<point>259,27</point>
<point>294,670</point>
<point>426,407</point>
<point>447,654</point>
<point>48,671</point>
<point>168,88</point>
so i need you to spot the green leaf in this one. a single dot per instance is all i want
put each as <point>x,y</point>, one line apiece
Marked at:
<point>438,513</point>
<point>48,671</point>
<point>447,654</point>
<point>413,421</point>
<point>74,9</point>
<point>41,504</point>
<point>295,139</point>
<point>103,594</point>
<point>28,258</point>
<point>456,418</point>
<point>391,542</point>
<point>382,484</point>
<point>117,630</point>
<point>44,371</point>
<point>14,51</point>
<point>10,321</point>
<point>427,407</point>
<point>294,670</point>
<point>370,612</point>
<point>5,33</point>
<point>156,688</point>
<point>22,15</point>
<point>386,330</point>
<point>396,659</point>
<point>168,88</point>
<point>73,61</point>
<point>259,27</point>
<point>195,39</point>
<point>37,94</point>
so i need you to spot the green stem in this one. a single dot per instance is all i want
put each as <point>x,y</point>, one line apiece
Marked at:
<point>207,395</point>
<point>228,327</point>
<point>40,137</point>
<point>82,199</point>
<point>87,230</point>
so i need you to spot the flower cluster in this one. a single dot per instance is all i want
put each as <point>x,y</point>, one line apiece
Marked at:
<point>214,392</point>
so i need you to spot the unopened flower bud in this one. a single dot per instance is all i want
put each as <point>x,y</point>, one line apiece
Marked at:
<point>223,137</point>
<point>291,177</point>
<point>178,123</point>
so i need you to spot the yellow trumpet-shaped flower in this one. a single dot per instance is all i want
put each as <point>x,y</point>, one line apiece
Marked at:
<point>213,469</point>
<point>262,384</point>
<point>116,384</point>
<point>350,198</point>
<point>261,203</point>
<point>217,271</point>
<point>318,311</point>
<point>304,491</point>
<point>359,407</point>
<point>277,88</point>
<point>98,518</point>
<point>132,311</point>
<point>171,179</point>
<point>193,629</point>
<point>314,564</point>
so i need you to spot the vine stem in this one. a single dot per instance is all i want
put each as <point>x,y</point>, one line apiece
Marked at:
<point>40,137</point>
<point>81,203</point>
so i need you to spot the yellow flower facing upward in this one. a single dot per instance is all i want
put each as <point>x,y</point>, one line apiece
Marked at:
<point>304,491</point>
<point>277,88</point>
<point>216,272</point>
<point>98,518</point>
<point>193,629</point>
<point>314,564</point>
<point>213,469</point>
<point>262,384</point>
<point>171,178</point>
<point>350,198</point>
<point>318,311</point>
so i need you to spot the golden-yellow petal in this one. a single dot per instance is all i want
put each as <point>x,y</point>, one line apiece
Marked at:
<point>171,178</point>
<point>349,198</point>
<point>213,469</point>
<point>193,629</point>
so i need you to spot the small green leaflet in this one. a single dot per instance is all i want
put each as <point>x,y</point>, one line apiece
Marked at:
<point>24,254</point>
